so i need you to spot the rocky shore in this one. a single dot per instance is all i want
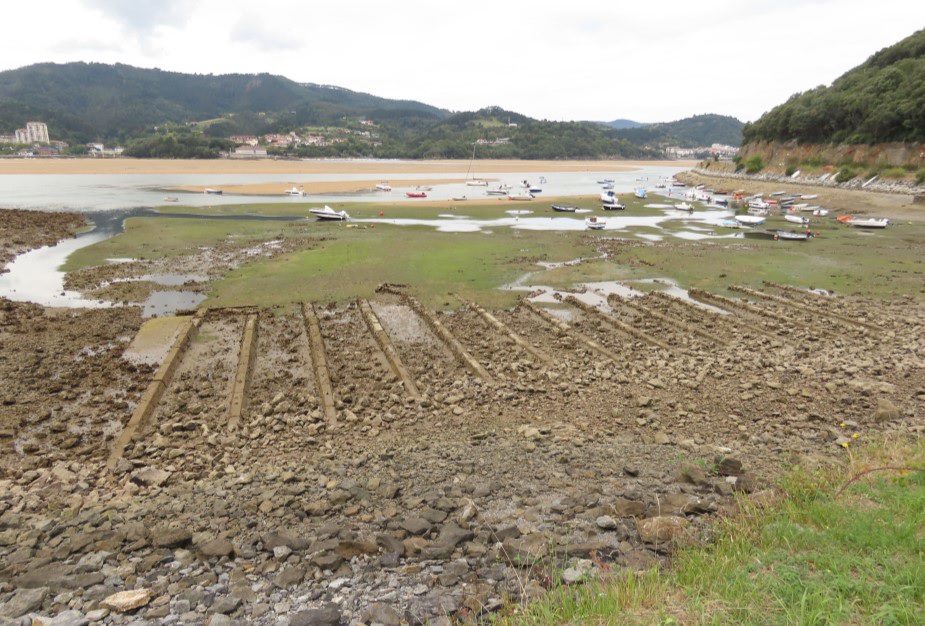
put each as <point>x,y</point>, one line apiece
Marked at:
<point>596,450</point>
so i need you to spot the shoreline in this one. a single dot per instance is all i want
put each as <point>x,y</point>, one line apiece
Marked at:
<point>312,166</point>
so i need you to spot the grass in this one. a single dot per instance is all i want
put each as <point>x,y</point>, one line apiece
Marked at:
<point>337,263</point>
<point>840,546</point>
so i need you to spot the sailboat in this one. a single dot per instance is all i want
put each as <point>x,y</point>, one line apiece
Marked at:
<point>474,182</point>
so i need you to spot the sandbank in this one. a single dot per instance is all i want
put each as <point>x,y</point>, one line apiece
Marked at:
<point>317,188</point>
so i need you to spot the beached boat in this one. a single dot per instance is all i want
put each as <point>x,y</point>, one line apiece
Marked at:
<point>870,222</point>
<point>606,181</point>
<point>750,220</point>
<point>496,192</point>
<point>640,192</point>
<point>471,179</point>
<point>459,198</point>
<point>595,223</point>
<point>612,205</point>
<point>171,199</point>
<point>212,192</point>
<point>792,235</point>
<point>327,213</point>
<point>383,186</point>
<point>684,206</point>
<point>416,194</point>
<point>759,203</point>
<point>562,208</point>
<point>520,196</point>
<point>797,219</point>
<point>820,212</point>
<point>295,192</point>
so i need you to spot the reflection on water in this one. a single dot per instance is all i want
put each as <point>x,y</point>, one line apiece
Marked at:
<point>162,303</point>
<point>35,275</point>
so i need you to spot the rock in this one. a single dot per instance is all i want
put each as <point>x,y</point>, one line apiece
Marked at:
<point>622,507</point>
<point>69,618</point>
<point>661,529</point>
<point>219,619</point>
<point>416,525</point>
<point>163,537</point>
<point>579,572</point>
<point>217,547</point>
<point>125,601</point>
<point>351,549</point>
<point>605,522</point>
<point>726,466</point>
<point>694,475</point>
<point>886,411</point>
<point>328,615</point>
<point>150,477</point>
<point>226,604</point>
<point>380,613</point>
<point>661,439</point>
<point>526,550</point>
<point>289,577</point>
<point>24,601</point>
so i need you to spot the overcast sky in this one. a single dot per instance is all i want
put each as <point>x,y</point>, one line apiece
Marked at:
<point>649,61</point>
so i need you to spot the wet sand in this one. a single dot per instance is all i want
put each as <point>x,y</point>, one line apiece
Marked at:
<point>317,188</point>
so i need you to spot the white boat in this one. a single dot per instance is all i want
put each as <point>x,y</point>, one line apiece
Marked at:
<point>684,206</point>
<point>496,192</point>
<point>327,213</point>
<point>809,196</point>
<point>459,198</point>
<point>383,186</point>
<point>595,223</point>
<point>758,203</point>
<point>640,192</point>
<point>750,220</point>
<point>520,196</point>
<point>792,235</point>
<point>171,199</point>
<point>797,219</point>
<point>820,212</point>
<point>295,192</point>
<point>212,192</point>
<point>870,222</point>
<point>423,188</point>
<point>612,205</point>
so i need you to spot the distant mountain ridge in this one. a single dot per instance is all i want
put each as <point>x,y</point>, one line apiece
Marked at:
<point>90,100</point>
<point>84,102</point>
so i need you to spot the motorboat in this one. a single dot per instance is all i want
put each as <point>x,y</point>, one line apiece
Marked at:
<point>423,188</point>
<point>295,192</point>
<point>212,192</point>
<point>792,235</point>
<point>562,208</point>
<point>797,219</point>
<point>759,203</point>
<point>459,198</point>
<point>820,212</point>
<point>496,192</point>
<point>383,186</point>
<point>606,181</point>
<point>612,205</point>
<point>640,192</point>
<point>595,223</point>
<point>750,220</point>
<point>684,206</point>
<point>416,194</point>
<point>870,222</point>
<point>329,214</point>
<point>171,199</point>
<point>520,196</point>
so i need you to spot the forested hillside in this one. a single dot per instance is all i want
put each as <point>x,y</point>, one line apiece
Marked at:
<point>880,101</point>
<point>692,132</point>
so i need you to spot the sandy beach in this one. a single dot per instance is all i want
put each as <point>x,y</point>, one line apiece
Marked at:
<point>319,166</point>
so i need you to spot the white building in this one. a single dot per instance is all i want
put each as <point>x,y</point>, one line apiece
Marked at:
<point>34,132</point>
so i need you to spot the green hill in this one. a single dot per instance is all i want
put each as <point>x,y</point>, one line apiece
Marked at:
<point>691,132</point>
<point>169,114</point>
<point>880,101</point>
<point>86,101</point>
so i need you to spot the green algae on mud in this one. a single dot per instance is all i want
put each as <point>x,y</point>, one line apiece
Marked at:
<point>337,262</point>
